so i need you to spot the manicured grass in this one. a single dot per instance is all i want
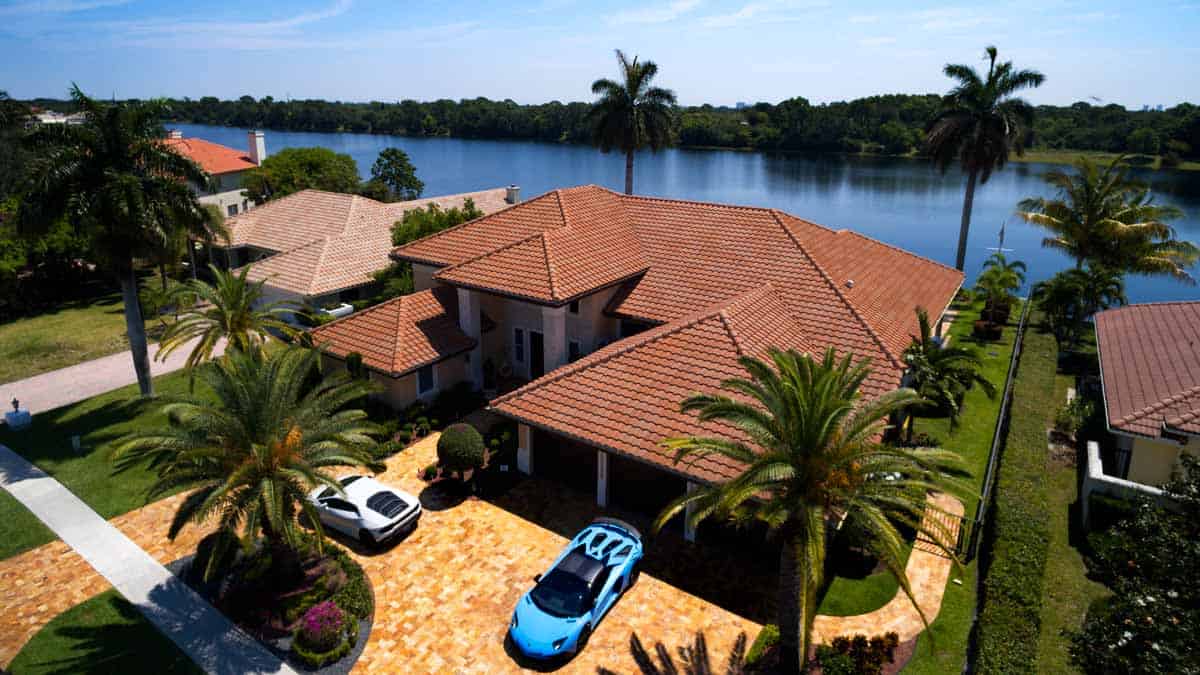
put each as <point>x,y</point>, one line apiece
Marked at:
<point>74,332</point>
<point>106,634</point>
<point>20,530</point>
<point>850,597</point>
<point>943,647</point>
<point>99,421</point>
<point>1070,156</point>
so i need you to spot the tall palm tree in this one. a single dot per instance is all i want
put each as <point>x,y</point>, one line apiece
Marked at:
<point>251,453</point>
<point>230,308</point>
<point>810,454</point>
<point>942,374</point>
<point>631,114</point>
<point>114,179</point>
<point>981,122</point>
<point>1103,216</point>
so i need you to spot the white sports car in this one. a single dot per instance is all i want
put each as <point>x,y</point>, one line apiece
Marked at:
<point>370,511</point>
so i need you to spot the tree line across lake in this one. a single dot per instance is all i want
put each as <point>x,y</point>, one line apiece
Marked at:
<point>892,123</point>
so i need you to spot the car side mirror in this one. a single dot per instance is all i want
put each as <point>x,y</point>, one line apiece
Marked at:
<point>537,578</point>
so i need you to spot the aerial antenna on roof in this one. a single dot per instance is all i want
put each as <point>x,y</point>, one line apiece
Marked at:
<point>1000,247</point>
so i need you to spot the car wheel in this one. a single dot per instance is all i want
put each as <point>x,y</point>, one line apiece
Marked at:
<point>583,639</point>
<point>365,538</point>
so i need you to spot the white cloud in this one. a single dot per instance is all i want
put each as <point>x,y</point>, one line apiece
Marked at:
<point>877,41</point>
<point>864,18</point>
<point>58,6</point>
<point>952,19</point>
<point>734,18</point>
<point>655,14</point>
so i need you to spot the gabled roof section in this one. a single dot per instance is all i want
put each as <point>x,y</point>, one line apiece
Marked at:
<point>400,335</point>
<point>594,248</point>
<point>1150,366</point>
<point>214,158</point>
<point>626,396</point>
<point>330,241</point>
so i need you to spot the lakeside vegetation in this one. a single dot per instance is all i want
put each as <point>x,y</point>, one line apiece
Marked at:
<point>885,124</point>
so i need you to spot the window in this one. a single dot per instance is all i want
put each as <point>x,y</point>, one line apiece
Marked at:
<point>425,380</point>
<point>231,209</point>
<point>574,350</point>
<point>341,505</point>
<point>519,345</point>
<point>573,307</point>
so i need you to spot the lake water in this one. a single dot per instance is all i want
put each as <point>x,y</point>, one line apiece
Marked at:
<point>901,201</point>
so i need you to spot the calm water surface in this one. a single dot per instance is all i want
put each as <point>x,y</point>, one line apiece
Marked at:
<point>901,201</point>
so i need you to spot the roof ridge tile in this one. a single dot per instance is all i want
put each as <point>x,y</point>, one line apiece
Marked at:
<point>460,226</point>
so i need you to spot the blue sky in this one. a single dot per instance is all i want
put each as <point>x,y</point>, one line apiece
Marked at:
<point>538,50</point>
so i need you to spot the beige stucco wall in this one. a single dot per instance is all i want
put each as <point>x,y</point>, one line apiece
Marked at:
<point>226,191</point>
<point>591,327</point>
<point>1152,462</point>
<point>401,392</point>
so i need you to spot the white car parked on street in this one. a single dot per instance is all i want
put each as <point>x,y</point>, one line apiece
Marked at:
<point>369,511</point>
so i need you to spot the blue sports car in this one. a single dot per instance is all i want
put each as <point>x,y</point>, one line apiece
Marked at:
<point>558,615</point>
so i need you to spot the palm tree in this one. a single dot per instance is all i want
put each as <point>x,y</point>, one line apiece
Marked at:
<point>942,374</point>
<point>631,114</point>
<point>1071,297</point>
<point>114,179</point>
<point>251,453</point>
<point>1102,216</point>
<point>231,308</point>
<point>980,124</point>
<point>810,454</point>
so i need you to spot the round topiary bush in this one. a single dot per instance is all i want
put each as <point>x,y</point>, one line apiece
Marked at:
<point>461,448</point>
<point>325,634</point>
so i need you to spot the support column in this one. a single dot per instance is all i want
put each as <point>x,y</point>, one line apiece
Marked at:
<point>469,322</point>
<point>524,449</point>
<point>689,532</point>
<point>601,479</point>
<point>554,334</point>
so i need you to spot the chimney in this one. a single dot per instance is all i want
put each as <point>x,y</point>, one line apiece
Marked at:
<point>512,194</point>
<point>175,134</point>
<point>257,141</point>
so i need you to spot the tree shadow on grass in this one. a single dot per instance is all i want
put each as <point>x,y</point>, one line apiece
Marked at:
<point>130,644</point>
<point>49,437</point>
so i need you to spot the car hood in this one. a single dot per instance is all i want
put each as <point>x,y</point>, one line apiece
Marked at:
<point>539,628</point>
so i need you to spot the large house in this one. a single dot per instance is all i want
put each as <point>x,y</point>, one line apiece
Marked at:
<point>616,307</point>
<point>225,165</point>
<point>1150,374</point>
<point>318,248</point>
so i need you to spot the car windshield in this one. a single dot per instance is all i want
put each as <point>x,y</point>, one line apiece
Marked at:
<point>327,493</point>
<point>561,594</point>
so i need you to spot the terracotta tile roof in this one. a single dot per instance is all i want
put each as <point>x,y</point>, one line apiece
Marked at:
<point>214,158</point>
<point>625,397</point>
<point>400,335</point>
<point>329,241</point>
<point>1150,366</point>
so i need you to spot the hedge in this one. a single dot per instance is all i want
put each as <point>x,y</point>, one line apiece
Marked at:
<point>1010,607</point>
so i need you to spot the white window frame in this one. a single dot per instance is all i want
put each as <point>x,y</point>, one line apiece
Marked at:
<point>231,210</point>
<point>432,380</point>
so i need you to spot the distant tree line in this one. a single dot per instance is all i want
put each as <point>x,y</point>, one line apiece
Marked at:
<point>892,123</point>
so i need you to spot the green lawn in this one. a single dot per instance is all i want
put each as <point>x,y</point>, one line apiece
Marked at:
<point>103,635</point>
<point>850,597</point>
<point>98,421</point>
<point>74,332</point>
<point>1070,156</point>
<point>942,649</point>
<point>20,530</point>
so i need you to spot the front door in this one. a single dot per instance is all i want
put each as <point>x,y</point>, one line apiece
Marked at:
<point>537,355</point>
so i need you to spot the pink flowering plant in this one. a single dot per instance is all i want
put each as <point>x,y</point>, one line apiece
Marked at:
<point>322,626</point>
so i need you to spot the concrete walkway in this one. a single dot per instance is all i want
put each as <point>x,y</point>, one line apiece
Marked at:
<point>203,633</point>
<point>72,384</point>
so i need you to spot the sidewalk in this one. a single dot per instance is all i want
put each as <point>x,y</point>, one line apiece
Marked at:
<point>203,633</point>
<point>91,378</point>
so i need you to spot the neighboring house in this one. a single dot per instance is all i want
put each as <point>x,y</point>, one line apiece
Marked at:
<point>1150,374</point>
<point>227,167</point>
<point>617,307</point>
<point>321,248</point>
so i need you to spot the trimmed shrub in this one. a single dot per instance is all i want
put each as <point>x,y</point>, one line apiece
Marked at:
<point>768,639</point>
<point>429,472</point>
<point>321,627</point>
<point>316,658</point>
<point>1071,417</point>
<point>460,448</point>
<point>1010,609</point>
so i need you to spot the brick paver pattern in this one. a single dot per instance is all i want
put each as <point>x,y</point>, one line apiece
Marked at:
<point>444,595</point>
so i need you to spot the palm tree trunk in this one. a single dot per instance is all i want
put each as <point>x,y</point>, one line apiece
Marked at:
<point>629,172</point>
<point>965,228</point>
<point>793,635</point>
<point>162,275</point>
<point>135,329</point>
<point>192,257</point>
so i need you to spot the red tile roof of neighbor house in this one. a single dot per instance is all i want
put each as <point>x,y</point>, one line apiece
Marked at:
<point>329,241</point>
<point>400,335</point>
<point>1150,366</point>
<point>214,158</point>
